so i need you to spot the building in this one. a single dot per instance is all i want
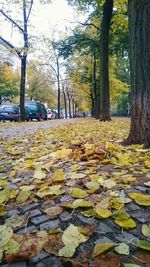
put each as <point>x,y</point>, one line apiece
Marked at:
<point>8,56</point>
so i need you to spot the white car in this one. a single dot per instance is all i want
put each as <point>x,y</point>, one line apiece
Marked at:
<point>49,114</point>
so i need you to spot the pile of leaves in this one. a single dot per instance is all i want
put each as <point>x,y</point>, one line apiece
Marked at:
<point>89,166</point>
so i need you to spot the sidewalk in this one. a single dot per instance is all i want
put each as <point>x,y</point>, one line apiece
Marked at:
<point>68,184</point>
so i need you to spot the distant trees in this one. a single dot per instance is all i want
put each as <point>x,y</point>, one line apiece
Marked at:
<point>39,84</point>
<point>9,82</point>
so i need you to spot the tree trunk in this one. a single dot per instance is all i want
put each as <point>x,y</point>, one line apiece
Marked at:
<point>69,104</point>
<point>65,103</point>
<point>139,38</point>
<point>73,107</point>
<point>58,88</point>
<point>94,86</point>
<point>23,64</point>
<point>22,87</point>
<point>104,71</point>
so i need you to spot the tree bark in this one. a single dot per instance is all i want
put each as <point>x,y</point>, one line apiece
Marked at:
<point>139,38</point>
<point>22,87</point>
<point>23,64</point>
<point>104,71</point>
<point>58,88</point>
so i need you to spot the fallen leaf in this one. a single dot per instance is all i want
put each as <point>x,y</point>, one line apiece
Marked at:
<point>126,224</point>
<point>102,213</point>
<point>144,244</point>
<point>23,196</point>
<point>71,239</point>
<point>122,249</point>
<point>59,175</point>
<point>101,247</point>
<point>6,233</point>
<point>78,193</point>
<point>146,230</point>
<point>53,212</point>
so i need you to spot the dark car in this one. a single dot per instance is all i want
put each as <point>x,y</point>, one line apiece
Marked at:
<point>9,112</point>
<point>35,110</point>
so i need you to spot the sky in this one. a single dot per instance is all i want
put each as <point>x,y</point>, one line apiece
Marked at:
<point>44,18</point>
<point>55,19</point>
<point>52,16</point>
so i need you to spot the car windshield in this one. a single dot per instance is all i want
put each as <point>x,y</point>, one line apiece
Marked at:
<point>31,107</point>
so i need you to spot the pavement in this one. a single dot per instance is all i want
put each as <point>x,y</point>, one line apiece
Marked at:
<point>13,130</point>
<point>106,230</point>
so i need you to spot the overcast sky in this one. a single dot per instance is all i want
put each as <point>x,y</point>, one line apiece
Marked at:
<point>44,19</point>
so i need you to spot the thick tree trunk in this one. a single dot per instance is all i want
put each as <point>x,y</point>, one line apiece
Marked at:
<point>22,87</point>
<point>139,37</point>
<point>104,71</point>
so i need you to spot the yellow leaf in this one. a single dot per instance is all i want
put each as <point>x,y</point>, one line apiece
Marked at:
<point>4,195</point>
<point>146,230</point>
<point>122,249</point>
<point>88,213</point>
<point>78,193</point>
<point>63,153</point>
<point>2,210</point>
<point>71,238</point>
<point>82,203</point>
<point>144,244</point>
<point>3,183</point>
<point>12,247</point>
<point>93,186</point>
<point>114,204</point>
<point>101,247</point>
<point>58,175</point>
<point>101,212</point>
<point>141,199</point>
<point>23,196</point>
<point>121,215</point>
<point>39,175</point>
<point>77,176</point>
<point>126,224</point>
<point>6,233</point>
<point>16,221</point>
<point>52,190</point>
<point>108,183</point>
<point>75,168</point>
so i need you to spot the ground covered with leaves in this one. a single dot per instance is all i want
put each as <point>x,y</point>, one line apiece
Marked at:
<point>74,196</point>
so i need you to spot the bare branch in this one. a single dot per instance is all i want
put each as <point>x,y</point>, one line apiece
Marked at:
<point>31,4</point>
<point>47,64</point>
<point>11,46</point>
<point>11,20</point>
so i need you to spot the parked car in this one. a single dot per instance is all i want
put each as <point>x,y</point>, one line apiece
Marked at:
<point>9,112</point>
<point>55,114</point>
<point>35,110</point>
<point>49,113</point>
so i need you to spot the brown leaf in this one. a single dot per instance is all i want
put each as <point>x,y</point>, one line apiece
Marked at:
<point>54,244</point>
<point>106,260</point>
<point>88,230</point>
<point>31,245</point>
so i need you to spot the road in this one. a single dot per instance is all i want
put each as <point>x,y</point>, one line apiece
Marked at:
<point>14,130</point>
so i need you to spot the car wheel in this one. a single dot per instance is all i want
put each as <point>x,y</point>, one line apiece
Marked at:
<point>39,119</point>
